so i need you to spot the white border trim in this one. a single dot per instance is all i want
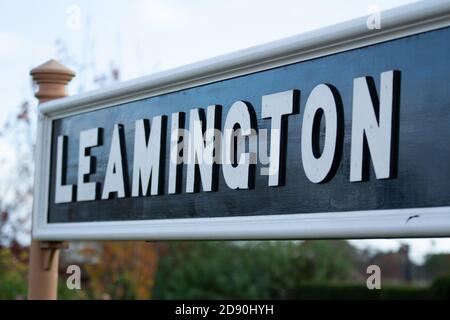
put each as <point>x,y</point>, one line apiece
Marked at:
<point>424,222</point>
<point>416,222</point>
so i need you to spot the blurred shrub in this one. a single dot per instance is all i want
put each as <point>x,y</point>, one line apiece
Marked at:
<point>13,275</point>
<point>219,270</point>
<point>440,288</point>
<point>251,270</point>
<point>272,270</point>
<point>359,292</point>
<point>323,291</point>
<point>437,265</point>
<point>126,271</point>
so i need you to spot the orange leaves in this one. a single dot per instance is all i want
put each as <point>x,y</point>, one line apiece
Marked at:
<point>126,270</point>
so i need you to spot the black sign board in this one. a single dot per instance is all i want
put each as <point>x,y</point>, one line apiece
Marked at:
<point>351,141</point>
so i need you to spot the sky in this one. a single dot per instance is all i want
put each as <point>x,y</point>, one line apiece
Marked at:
<point>141,37</point>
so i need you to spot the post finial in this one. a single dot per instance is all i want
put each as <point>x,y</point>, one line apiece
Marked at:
<point>52,78</point>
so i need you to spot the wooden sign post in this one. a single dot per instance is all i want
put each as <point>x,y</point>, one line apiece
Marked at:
<point>52,79</point>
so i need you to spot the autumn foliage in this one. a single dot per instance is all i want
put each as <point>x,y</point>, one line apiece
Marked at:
<point>127,271</point>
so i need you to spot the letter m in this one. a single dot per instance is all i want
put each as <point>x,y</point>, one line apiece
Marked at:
<point>148,151</point>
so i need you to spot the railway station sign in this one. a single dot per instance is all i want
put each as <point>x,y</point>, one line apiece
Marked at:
<point>341,132</point>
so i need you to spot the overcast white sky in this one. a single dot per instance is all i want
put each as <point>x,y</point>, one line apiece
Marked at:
<point>145,36</point>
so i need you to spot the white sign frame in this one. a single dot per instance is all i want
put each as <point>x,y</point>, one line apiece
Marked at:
<point>415,222</point>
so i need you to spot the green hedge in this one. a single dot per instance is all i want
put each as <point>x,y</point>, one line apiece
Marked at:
<point>273,270</point>
<point>440,288</point>
<point>359,292</point>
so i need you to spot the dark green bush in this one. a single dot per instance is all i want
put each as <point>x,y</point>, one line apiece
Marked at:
<point>271,270</point>
<point>440,288</point>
